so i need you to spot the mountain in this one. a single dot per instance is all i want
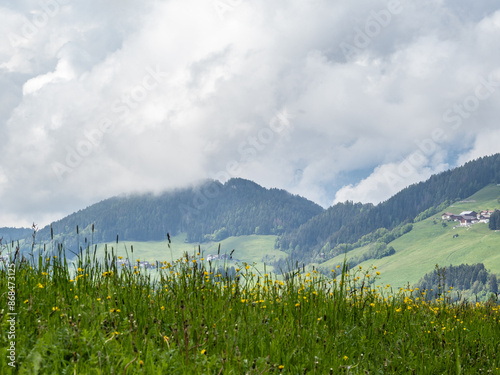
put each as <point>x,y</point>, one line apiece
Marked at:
<point>424,199</point>
<point>12,234</point>
<point>208,211</point>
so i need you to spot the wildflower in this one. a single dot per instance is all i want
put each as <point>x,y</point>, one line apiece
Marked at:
<point>120,258</point>
<point>98,299</point>
<point>55,308</point>
<point>26,301</point>
<point>345,358</point>
<point>203,351</point>
<point>281,367</point>
<point>378,273</point>
<point>162,308</point>
<point>76,297</point>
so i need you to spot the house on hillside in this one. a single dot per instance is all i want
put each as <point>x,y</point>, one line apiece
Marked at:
<point>450,216</point>
<point>467,220</point>
<point>468,213</point>
<point>486,214</point>
<point>447,216</point>
<point>484,219</point>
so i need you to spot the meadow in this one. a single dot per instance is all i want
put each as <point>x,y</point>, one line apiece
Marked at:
<point>189,316</point>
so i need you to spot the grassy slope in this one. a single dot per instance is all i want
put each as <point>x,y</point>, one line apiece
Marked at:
<point>248,249</point>
<point>428,244</point>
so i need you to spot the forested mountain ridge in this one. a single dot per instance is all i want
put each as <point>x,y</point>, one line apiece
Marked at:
<point>419,199</point>
<point>208,211</point>
<point>11,234</point>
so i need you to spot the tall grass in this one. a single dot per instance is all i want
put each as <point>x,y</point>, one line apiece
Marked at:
<point>92,316</point>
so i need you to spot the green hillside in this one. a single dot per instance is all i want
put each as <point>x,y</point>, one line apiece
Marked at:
<point>322,234</point>
<point>257,249</point>
<point>431,243</point>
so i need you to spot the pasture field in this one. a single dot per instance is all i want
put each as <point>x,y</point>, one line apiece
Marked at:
<point>258,249</point>
<point>95,317</point>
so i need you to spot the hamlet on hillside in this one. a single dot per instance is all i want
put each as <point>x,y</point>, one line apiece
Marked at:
<point>467,218</point>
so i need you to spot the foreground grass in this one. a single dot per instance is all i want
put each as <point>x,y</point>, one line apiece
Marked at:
<point>188,317</point>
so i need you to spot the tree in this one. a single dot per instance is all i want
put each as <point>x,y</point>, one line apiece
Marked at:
<point>495,220</point>
<point>493,284</point>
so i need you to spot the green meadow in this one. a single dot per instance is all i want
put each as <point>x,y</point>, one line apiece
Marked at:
<point>253,249</point>
<point>93,316</point>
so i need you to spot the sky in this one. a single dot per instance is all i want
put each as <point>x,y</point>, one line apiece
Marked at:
<point>333,100</point>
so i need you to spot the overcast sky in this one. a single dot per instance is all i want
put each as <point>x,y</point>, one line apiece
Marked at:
<point>333,100</point>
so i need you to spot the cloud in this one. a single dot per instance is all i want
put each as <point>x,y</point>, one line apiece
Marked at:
<point>388,179</point>
<point>102,98</point>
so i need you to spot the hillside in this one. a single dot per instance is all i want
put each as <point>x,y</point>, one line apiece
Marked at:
<point>439,190</point>
<point>433,241</point>
<point>12,234</point>
<point>211,211</point>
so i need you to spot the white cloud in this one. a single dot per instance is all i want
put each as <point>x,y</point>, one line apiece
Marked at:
<point>387,179</point>
<point>186,93</point>
<point>486,143</point>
